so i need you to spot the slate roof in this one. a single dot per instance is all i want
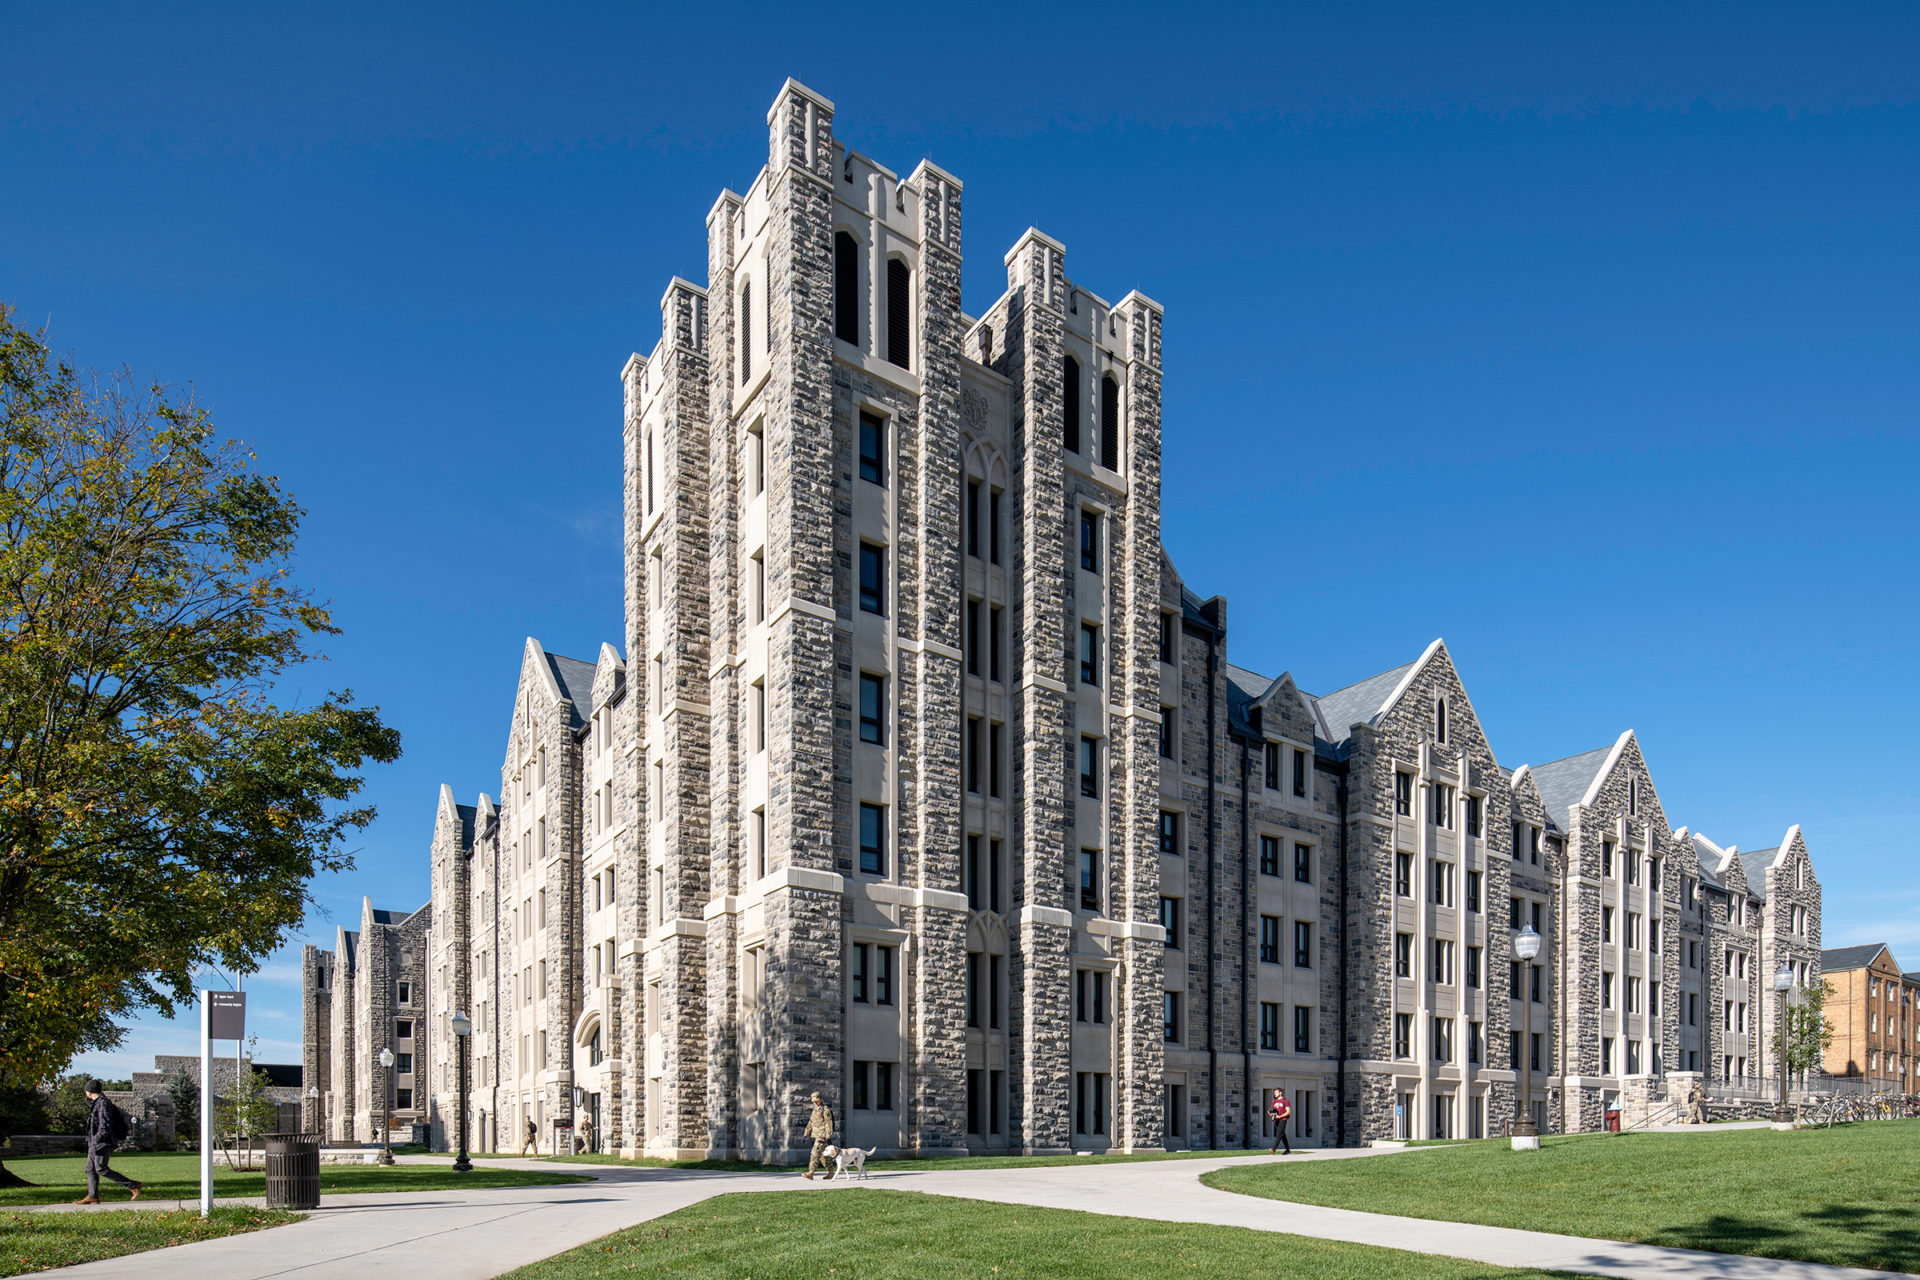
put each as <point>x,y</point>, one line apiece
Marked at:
<point>1564,783</point>
<point>576,684</point>
<point>1710,856</point>
<point>1251,683</point>
<point>351,940</point>
<point>1361,703</point>
<point>385,917</point>
<point>1756,862</point>
<point>467,814</point>
<point>1840,959</point>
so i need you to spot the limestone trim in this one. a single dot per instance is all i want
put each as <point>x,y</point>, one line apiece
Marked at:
<point>1127,929</point>
<point>1046,915</point>
<point>678,927</point>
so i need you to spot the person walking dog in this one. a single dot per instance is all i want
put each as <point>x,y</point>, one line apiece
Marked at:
<point>820,1129</point>
<point>106,1129</point>
<point>1280,1109</point>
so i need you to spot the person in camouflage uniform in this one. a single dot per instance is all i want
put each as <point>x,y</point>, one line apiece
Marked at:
<point>820,1129</point>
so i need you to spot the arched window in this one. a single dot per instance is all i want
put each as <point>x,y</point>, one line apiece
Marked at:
<point>899,312</point>
<point>1440,720</point>
<point>846,288</point>
<point>746,331</point>
<point>1109,423</point>
<point>1070,404</point>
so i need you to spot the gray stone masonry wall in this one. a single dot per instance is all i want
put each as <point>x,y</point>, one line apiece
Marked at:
<point>711,1063</point>
<point>1407,739</point>
<point>1039,969</point>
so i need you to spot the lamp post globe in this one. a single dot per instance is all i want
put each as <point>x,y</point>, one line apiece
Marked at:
<point>1526,945</point>
<point>1783,983</point>
<point>313,1106</point>
<point>462,1029</point>
<point>386,1105</point>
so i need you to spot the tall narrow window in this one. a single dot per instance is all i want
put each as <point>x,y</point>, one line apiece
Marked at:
<point>746,331</point>
<point>1070,404</point>
<point>1440,720</point>
<point>995,643</point>
<point>649,473</point>
<point>1090,542</point>
<point>759,587</point>
<point>996,753</point>
<point>1299,772</point>
<point>873,447</point>
<point>974,612</point>
<point>899,312</point>
<point>1090,768</point>
<point>873,574</point>
<point>993,527</point>
<point>757,459</point>
<point>1109,423</point>
<point>1089,653</point>
<point>846,288</point>
<point>1090,901</point>
<point>972,515</point>
<point>873,708</point>
<point>873,839</point>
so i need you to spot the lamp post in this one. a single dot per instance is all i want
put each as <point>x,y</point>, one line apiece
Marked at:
<point>1526,945</point>
<point>462,1028</point>
<point>386,1101</point>
<point>313,1107</point>
<point>1783,983</point>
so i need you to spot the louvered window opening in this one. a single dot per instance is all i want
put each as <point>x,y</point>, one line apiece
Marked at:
<point>899,312</point>
<point>746,331</point>
<point>846,288</point>
<point>1109,424</point>
<point>1070,404</point>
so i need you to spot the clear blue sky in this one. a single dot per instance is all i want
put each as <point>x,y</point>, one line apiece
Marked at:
<point>1584,337</point>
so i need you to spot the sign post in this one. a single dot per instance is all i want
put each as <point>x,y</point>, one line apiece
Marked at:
<point>223,1016</point>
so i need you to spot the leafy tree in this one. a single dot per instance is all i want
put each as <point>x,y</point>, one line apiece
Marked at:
<point>23,1111</point>
<point>246,1112</point>
<point>67,1106</point>
<point>160,811</point>
<point>1805,1033</point>
<point>186,1108</point>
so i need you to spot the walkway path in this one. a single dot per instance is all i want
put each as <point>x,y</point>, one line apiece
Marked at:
<point>472,1235</point>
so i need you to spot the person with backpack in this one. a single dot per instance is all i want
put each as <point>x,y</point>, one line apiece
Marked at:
<point>1280,1109</point>
<point>106,1129</point>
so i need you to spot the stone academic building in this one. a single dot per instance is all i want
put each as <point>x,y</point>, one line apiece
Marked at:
<point>922,779</point>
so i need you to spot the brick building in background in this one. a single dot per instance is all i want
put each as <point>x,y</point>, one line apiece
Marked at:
<point>1872,1008</point>
<point>925,780</point>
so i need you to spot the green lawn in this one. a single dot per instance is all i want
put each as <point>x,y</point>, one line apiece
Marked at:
<point>36,1241</point>
<point>1850,1195</point>
<point>938,1162</point>
<point>175,1175</point>
<point>901,1235</point>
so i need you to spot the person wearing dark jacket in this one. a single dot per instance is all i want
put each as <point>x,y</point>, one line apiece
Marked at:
<point>100,1145</point>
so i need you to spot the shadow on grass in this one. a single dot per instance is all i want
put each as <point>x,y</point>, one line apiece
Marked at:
<point>1877,1237</point>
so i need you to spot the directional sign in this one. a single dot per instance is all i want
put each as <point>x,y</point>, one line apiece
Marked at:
<point>228,1013</point>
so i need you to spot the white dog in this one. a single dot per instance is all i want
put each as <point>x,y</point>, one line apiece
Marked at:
<point>849,1162</point>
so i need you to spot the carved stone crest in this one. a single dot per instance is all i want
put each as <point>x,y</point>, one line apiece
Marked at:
<point>973,408</point>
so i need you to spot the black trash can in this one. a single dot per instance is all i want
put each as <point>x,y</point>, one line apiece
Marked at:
<point>293,1170</point>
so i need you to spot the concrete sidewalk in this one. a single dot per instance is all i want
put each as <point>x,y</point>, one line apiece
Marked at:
<point>473,1235</point>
